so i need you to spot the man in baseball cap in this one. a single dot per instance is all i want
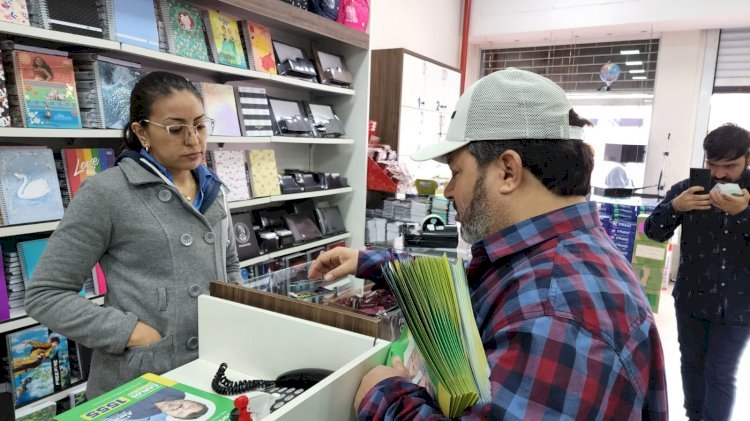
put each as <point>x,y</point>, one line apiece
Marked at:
<point>566,328</point>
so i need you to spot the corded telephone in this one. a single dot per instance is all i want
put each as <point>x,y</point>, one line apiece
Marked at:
<point>286,387</point>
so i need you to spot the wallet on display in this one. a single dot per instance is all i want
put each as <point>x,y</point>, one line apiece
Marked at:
<point>302,227</point>
<point>288,184</point>
<point>331,221</point>
<point>337,76</point>
<point>269,241</point>
<point>305,207</point>
<point>244,236</point>
<point>295,125</point>
<point>307,181</point>
<point>289,117</point>
<point>271,218</point>
<point>293,62</point>
<point>332,69</point>
<point>325,121</point>
<point>286,238</point>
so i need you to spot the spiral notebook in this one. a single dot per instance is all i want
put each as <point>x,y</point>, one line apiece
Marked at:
<point>47,81</point>
<point>4,304</point>
<point>255,112</point>
<point>38,364</point>
<point>80,17</point>
<point>29,253</point>
<point>221,106</point>
<point>257,41</point>
<point>4,105</point>
<point>230,167</point>
<point>80,164</point>
<point>224,40</point>
<point>135,23</point>
<point>29,187</point>
<point>15,11</point>
<point>184,28</point>
<point>106,104</point>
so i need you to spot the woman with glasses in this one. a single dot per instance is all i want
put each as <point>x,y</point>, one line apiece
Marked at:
<point>158,225</point>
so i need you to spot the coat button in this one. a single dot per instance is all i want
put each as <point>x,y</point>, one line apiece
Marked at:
<point>195,291</point>
<point>209,237</point>
<point>726,231</point>
<point>186,239</point>
<point>165,195</point>
<point>192,343</point>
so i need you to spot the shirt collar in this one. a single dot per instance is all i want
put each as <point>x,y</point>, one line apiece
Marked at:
<point>203,175</point>
<point>538,229</point>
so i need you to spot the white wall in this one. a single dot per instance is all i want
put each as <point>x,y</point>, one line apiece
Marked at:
<point>510,20</point>
<point>676,99</point>
<point>431,28</point>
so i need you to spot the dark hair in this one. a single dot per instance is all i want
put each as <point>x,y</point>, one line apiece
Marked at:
<point>54,339</point>
<point>196,414</point>
<point>44,65</point>
<point>727,142</point>
<point>149,89</point>
<point>563,166</point>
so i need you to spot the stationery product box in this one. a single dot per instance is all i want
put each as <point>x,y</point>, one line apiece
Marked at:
<point>261,344</point>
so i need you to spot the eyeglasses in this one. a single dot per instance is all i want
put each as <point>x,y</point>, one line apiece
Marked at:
<point>201,130</point>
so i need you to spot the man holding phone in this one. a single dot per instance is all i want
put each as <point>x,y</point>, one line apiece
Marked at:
<point>712,293</point>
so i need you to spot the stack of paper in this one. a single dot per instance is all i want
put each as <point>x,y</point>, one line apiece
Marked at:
<point>434,297</point>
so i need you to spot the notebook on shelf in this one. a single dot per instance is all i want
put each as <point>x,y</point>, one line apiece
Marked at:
<point>79,164</point>
<point>4,305</point>
<point>184,28</point>
<point>264,176</point>
<point>15,11</point>
<point>135,23</point>
<point>224,40</point>
<point>38,364</point>
<point>39,412</point>
<point>257,42</point>
<point>255,113</point>
<point>245,239</point>
<point>47,81</point>
<point>80,17</point>
<point>4,102</point>
<point>29,253</point>
<point>220,105</point>
<point>230,167</point>
<point>29,188</point>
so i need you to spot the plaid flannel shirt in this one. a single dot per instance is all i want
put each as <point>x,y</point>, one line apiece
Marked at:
<point>566,327</point>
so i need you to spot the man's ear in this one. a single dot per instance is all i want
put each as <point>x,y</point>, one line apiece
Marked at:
<point>508,169</point>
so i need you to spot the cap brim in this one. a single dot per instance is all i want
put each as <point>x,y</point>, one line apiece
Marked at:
<point>438,151</point>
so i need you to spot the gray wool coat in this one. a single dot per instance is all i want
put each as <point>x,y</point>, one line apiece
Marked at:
<point>158,254</point>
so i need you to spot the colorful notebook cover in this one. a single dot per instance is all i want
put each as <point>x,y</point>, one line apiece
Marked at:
<point>264,176</point>
<point>30,252</point>
<point>117,83</point>
<point>45,411</point>
<point>230,167</point>
<point>14,11</point>
<point>258,40</point>
<point>4,106</point>
<point>136,399</point>
<point>255,113</point>
<point>38,364</point>
<point>100,282</point>
<point>224,39</point>
<point>4,305</point>
<point>220,105</point>
<point>29,187</point>
<point>185,31</point>
<point>47,83</point>
<point>135,23</point>
<point>80,17</point>
<point>82,163</point>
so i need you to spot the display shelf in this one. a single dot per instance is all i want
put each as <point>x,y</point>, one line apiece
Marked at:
<point>309,195</point>
<point>290,81</point>
<point>52,398</point>
<point>250,203</point>
<point>20,132</point>
<point>19,319</point>
<point>245,140</point>
<point>12,230</point>
<point>292,250</point>
<point>312,140</point>
<point>57,36</point>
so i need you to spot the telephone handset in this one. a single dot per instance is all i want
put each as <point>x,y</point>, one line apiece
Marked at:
<point>286,386</point>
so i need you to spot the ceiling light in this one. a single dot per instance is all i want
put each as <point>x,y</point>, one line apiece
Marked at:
<point>639,77</point>
<point>633,63</point>
<point>626,52</point>
<point>637,71</point>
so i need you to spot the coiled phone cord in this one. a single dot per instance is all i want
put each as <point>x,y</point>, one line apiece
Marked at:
<point>223,386</point>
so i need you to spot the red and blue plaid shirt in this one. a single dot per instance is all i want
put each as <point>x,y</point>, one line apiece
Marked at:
<point>566,327</point>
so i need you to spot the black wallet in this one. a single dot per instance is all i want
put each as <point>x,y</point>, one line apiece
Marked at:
<point>331,221</point>
<point>302,227</point>
<point>288,185</point>
<point>269,241</point>
<point>271,218</point>
<point>295,125</point>
<point>300,67</point>
<point>244,236</point>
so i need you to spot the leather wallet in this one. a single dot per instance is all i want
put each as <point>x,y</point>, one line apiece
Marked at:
<point>288,185</point>
<point>331,221</point>
<point>295,125</point>
<point>307,181</point>
<point>244,236</point>
<point>300,67</point>
<point>337,76</point>
<point>302,227</point>
<point>271,218</point>
<point>286,237</point>
<point>331,128</point>
<point>269,241</point>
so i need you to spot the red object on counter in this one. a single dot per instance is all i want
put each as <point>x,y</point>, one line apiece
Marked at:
<point>377,179</point>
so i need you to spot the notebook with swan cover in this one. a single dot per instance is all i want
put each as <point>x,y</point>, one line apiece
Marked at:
<point>29,187</point>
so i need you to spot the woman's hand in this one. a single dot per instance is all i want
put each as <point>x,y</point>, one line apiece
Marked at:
<point>143,335</point>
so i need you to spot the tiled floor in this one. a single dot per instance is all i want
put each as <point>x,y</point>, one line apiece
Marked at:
<point>667,325</point>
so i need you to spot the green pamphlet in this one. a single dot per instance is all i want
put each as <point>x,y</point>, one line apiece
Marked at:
<point>442,347</point>
<point>155,398</point>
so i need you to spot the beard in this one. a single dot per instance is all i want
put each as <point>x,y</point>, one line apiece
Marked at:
<point>477,221</point>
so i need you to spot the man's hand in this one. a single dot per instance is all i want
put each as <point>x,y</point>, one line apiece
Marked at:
<point>691,200</point>
<point>143,335</point>
<point>730,204</point>
<point>334,264</point>
<point>378,374</point>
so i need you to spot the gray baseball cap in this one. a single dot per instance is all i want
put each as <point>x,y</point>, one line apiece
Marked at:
<point>505,105</point>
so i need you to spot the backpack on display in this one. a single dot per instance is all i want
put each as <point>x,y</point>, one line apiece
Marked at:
<point>354,14</point>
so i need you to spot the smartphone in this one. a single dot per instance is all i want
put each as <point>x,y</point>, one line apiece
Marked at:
<point>701,177</point>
